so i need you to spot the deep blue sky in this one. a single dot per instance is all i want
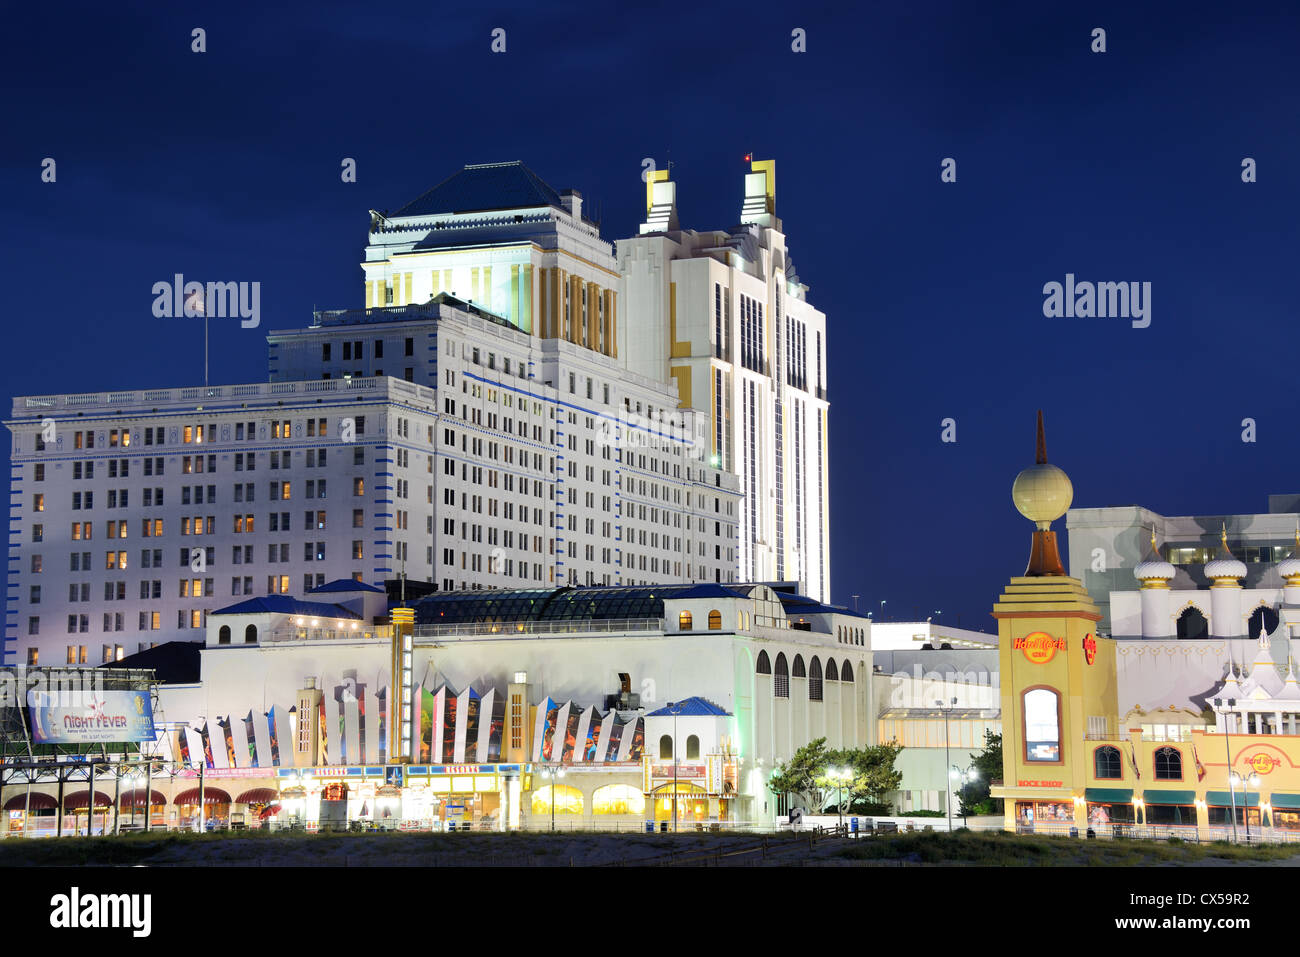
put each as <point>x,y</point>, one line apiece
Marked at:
<point>1115,166</point>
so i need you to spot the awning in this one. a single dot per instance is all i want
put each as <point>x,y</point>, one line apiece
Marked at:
<point>40,802</point>
<point>210,796</point>
<point>1169,797</point>
<point>79,799</point>
<point>1287,802</point>
<point>136,798</point>
<point>1224,799</point>
<point>258,796</point>
<point>1108,795</point>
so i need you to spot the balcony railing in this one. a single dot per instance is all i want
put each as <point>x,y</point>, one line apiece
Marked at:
<point>523,629</point>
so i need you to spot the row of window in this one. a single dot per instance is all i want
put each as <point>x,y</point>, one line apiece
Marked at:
<point>781,673</point>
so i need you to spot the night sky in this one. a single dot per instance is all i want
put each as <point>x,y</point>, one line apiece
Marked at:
<point>1116,166</point>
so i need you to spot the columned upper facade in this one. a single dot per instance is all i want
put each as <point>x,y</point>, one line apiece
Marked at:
<point>724,315</point>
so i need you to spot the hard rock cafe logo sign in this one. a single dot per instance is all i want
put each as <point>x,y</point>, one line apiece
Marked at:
<point>1089,648</point>
<point>1039,647</point>
<point>1262,763</point>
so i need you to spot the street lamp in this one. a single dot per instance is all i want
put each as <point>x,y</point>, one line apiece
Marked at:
<point>1233,780</point>
<point>553,772</point>
<point>947,756</point>
<point>840,776</point>
<point>882,609</point>
<point>674,709</point>
<point>1223,708</point>
<point>965,777</point>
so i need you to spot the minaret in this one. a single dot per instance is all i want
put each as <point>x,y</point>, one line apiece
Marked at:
<point>1224,573</point>
<point>1289,569</point>
<point>1058,677</point>
<point>1155,573</point>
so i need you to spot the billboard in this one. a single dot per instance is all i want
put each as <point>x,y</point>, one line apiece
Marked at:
<point>104,716</point>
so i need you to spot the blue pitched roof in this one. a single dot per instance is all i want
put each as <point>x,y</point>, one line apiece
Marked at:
<point>286,605</point>
<point>484,187</point>
<point>692,708</point>
<point>803,605</point>
<point>344,585</point>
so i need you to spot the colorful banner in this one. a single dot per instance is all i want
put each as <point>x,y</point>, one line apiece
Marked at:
<point>250,735</point>
<point>426,724</point>
<point>108,716</point>
<point>324,732</point>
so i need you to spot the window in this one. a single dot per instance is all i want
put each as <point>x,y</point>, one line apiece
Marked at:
<point>692,747</point>
<point>796,670</point>
<point>1169,764</point>
<point>1192,624</point>
<point>814,680</point>
<point>764,664</point>
<point>1262,618</point>
<point>666,747</point>
<point>250,635</point>
<point>1106,763</point>
<point>684,621</point>
<point>1042,731</point>
<point>223,635</point>
<point>715,620</point>
<point>781,679</point>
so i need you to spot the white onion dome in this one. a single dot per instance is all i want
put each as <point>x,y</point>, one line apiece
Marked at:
<point>1289,568</point>
<point>1153,571</point>
<point>1225,569</point>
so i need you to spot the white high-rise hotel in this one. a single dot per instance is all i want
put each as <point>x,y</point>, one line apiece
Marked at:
<point>503,413</point>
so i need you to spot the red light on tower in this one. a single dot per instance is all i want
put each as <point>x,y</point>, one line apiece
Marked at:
<point>749,157</point>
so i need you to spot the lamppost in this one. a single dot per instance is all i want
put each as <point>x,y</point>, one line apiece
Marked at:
<point>1233,780</point>
<point>1223,708</point>
<point>674,708</point>
<point>553,772</point>
<point>840,776</point>
<point>947,756</point>
<point>965,777</point>
<point>882,609</point>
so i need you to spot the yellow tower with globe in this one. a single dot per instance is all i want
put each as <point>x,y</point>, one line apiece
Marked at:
<point>1058,678</point>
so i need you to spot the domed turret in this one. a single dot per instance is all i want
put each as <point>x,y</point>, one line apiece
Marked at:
<point>1224,569</point>
<point>1289,568</point>
<point>1154,571</point>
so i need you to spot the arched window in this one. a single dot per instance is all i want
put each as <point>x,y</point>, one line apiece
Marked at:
<point>1169,764</point>
<point>250,635</point>
<point>764,664</point>
<point>1192,624</point>
<point>832,672</point>
<point>617,799</point>
<point>1106,763</point>
<point>692,747</point>
<point>796,670</point>
<point>666,747</point>
<point>684,621</point>
<point>1042,717</point>
<point>781,680</point>
<point>846,673</point>
<point>223,635</point>
<point>814,680</point>
<point>568,800</point>
<point>1264,617</point>
<point>715,620</point>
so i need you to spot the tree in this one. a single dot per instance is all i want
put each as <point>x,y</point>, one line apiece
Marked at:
<point>872,776</point>
<point>802,774</point>
<point>974,795</point>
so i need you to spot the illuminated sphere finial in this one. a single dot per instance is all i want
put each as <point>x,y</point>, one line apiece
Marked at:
<point>1042,493</point>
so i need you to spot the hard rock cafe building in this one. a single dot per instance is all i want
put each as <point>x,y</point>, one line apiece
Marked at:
<point>1084,745</point>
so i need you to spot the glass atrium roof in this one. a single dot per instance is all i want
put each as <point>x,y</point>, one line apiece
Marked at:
<point>564,604</point>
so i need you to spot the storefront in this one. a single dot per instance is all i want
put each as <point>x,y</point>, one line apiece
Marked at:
<point>700,792</point>
<point>1109,806</point>
<point>1169,808</point>
<point>134,806</point>
<point>401,796</point>
<point>1221,806</point>
<point>214,801</point>
<point>31,815</point>
<point>1034,813</point>
<point>1285,810</point>
<point>81,818</point>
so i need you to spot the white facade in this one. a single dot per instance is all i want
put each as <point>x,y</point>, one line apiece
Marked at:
<point>492,478</point>
<point>725,315</point>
